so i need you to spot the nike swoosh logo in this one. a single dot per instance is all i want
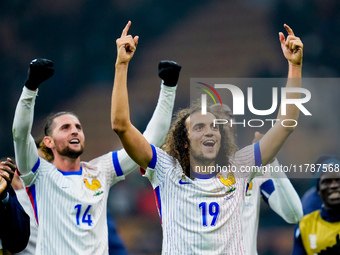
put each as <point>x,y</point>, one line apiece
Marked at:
<point>182,182</point>
<point>64,187</point>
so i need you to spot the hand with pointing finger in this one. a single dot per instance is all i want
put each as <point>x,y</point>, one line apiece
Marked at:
<point>126,46</point>
<point>292,47</point>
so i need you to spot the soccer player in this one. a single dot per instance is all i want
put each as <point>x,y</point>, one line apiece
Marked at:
<point>70,196</point>
<point>15,223</point>
<point>200,215</point>
<point>318,232</point>
<point>275,189</point>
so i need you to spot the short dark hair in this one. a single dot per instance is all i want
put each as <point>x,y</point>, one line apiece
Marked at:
<point>47,152</point>
<point>321,162</point>
<point>50,119</point>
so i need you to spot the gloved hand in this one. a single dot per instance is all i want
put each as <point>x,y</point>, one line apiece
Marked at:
<point>40,70</point>
<point>168,71</point>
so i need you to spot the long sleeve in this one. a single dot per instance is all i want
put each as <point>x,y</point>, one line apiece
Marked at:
<point>158,127</point>
<point>281,195</point>
<point>15,224</point>
<point>298,248</point>
<point>26,153</point>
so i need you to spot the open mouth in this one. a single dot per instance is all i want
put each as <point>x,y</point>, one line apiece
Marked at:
<point>74,141</point>
<point>334,195</point>
<point>209,144</point>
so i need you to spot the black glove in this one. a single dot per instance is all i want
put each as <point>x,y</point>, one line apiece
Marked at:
<point>168,71</point>
<point>335,249</point>
<point>40,70</point>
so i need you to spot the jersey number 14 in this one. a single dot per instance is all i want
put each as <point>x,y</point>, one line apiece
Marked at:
<point>86,216</point>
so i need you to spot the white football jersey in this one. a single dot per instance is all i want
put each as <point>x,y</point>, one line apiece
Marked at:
<point>68,205</point>
<point>278,192</point>
<point>26,204</point>
<point>201,216</point>
<point>251,214</point>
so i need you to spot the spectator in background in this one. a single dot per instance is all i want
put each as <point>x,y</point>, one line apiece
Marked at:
<point>15,223</point>
<point>311,200</point>
<point>318,232</point>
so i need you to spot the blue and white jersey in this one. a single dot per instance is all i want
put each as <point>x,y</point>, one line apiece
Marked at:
<point>251,214</point>
<point>201,216</point>
<point>69,205</point>
<point>277,191</point>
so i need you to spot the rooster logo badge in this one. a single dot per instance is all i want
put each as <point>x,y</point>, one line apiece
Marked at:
<point>95,186</point>
<point>229,182</point>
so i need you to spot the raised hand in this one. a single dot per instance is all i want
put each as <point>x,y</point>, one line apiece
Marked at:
<point>292,47</point>
<point>168,71</point>
<point>7,169</point>
<point>40,70</point>
<point>126,46</point>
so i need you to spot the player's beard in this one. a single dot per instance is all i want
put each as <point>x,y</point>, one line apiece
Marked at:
<point>68,152</point>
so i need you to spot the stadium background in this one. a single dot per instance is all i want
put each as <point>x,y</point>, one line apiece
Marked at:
<point>208,38</point>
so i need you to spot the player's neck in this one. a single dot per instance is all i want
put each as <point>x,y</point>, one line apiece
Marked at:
<point>66,164</point>
<point>202,167</point>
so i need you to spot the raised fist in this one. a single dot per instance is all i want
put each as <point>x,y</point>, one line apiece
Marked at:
<point>168,71</point>
<point>40,70</point>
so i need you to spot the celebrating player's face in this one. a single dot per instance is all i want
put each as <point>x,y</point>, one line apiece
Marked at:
<point>68,136</point>
<point>329,189</point>
<point>205,138</point>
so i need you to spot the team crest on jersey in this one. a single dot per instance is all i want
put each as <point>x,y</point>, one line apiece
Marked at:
<point>229,182</point>
<point>94,185</point>
<point>250,187</point>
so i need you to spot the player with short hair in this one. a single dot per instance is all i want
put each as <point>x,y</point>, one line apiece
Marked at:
<point>200,215</point>
<point>318,232</point>
<point>69,196</point>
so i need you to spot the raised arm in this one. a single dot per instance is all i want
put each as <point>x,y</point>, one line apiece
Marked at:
<point>160,122</point>
<point>133,141</point>
<point>277,190</point>
<point>273,140</point>
<point>26,153</point>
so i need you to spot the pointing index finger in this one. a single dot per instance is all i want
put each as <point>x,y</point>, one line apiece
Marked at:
<point>289,30</point>
<point>126,29</point>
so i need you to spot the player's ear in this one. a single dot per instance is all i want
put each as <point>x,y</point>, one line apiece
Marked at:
<point>48,141</point>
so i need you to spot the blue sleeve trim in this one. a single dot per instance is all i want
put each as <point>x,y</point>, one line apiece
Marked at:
<point>116,164</point>
<point>257,153</point>
<point>153,161</point>
<point>32,195</point>
<point>158,196</point>
<point>267,188</point>
<point>36,166</point>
